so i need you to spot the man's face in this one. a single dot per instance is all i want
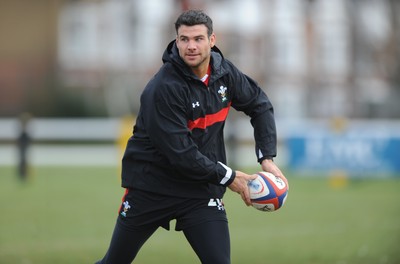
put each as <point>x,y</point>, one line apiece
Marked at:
<point>194,45</point>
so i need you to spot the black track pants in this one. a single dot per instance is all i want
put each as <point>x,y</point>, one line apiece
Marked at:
<point>210,241</point>
<point>125,244</point>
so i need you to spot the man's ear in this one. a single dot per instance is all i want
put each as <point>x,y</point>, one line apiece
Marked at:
<point>212,40</point>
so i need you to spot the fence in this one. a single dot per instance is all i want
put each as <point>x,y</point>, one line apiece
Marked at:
<point>357,147</point>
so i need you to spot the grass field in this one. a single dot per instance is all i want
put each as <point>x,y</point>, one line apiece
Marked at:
<point>66,215</point>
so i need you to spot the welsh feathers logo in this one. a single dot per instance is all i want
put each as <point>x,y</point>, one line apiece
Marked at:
<point>222,92</point>
<point>126,208</point>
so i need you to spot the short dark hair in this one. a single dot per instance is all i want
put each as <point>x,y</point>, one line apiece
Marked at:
<point>194,17</point>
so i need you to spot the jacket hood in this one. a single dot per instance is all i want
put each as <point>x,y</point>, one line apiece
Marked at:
<point>171,55</point>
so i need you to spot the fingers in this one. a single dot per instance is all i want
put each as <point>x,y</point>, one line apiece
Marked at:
<point>253,177</point>
<point>270,166</point>
<point>246,196</point>
<point>244,191</point>
<point>239,185</point>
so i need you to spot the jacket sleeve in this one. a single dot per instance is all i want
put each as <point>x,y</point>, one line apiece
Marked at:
<point>249,98</point>
<point>166,125</point>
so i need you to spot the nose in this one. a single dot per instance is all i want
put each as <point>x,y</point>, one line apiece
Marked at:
<point>191,45</point>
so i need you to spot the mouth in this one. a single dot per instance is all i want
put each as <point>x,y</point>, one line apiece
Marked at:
<point>191,56</point>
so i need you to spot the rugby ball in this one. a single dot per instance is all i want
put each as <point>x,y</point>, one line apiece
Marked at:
<point>268,192</point>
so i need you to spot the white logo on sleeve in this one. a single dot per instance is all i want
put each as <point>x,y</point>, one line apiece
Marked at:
<point>196,104</point>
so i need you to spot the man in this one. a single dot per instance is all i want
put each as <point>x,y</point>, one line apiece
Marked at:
<point>174,166</point>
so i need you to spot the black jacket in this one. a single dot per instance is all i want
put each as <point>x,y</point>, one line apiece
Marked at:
<point>177,147</point>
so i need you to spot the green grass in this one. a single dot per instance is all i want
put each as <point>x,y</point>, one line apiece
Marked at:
<point>66,215</point>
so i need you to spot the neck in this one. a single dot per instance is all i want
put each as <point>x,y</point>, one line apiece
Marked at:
<point>202,69</point>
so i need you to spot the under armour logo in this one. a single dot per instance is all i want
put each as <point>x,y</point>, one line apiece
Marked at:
<point>195,104</point>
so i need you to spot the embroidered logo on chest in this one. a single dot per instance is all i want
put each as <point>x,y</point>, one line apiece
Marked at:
<point>222,92</point>
<point>196,104</point>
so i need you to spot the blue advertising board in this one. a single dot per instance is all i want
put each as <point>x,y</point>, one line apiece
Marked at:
<point>352,152</point>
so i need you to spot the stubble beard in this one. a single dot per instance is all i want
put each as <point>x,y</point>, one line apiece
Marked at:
<point>197,65</point>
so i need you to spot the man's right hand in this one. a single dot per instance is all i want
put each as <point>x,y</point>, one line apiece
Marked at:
<point>239,185</point>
